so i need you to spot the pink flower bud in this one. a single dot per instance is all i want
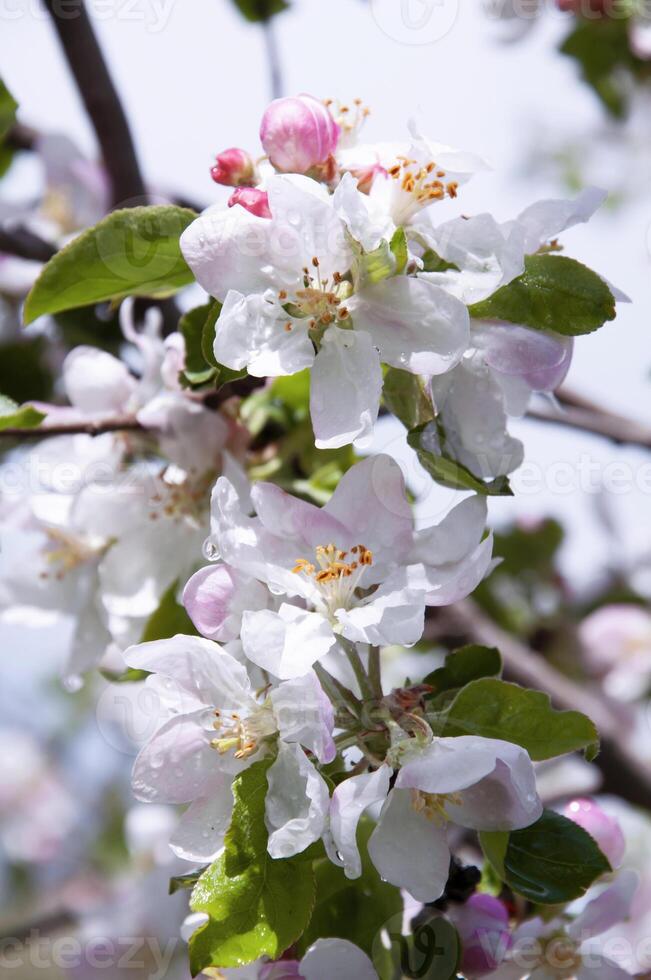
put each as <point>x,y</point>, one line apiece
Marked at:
<point>605,830</point>
<point>234,168</point>
<point>298,133</point>
<point>255,201</point>
<point>483,926</point>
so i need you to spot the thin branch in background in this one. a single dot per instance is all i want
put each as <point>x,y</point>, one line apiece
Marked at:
<point>585,416</point>
<point>103,105</point>
<point>273,59</point>
<point>24,244</point>
<point>625,772</point>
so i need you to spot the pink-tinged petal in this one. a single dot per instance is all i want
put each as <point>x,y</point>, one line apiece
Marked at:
<point>349,801</point>
<point>287,643</point>
<point>258,335</point>
<point>541,360</point>
<point>605,830</point>
<point>190,435</point>
<point>602,967</point>
<point>416,325</point>
<point>506,799</point>
<point>409,850</point>
<point>298,133</point>
<point>296,805</point>
<point>544,220</point>
<point>608,909</point>
<point>455,537</point>
<point>304,714</point>
<point>449,765</point>
<point>217,596</point>
<point>328,958</point>
<point>96,382</point>
<point>177,763</point>
<point>345,388</point>
<point>195,668</point>
<point>199,836</point>
<point>472,413</point>
<point>483,926</point>
<point>289,518</point>
<point>371,501</point>
<point>451,583</point>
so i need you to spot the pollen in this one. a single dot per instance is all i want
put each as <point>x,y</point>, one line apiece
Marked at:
<point>432,805</point>
<point>331,564</point>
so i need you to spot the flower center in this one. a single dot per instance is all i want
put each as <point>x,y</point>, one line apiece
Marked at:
<point>421,183</point>
<point>336,573</point>
<point>432,805</point>
<point>65,551</point>
<point>320,301</point>
<point>181,497</point>
<point>242,736</point>
<point>561,955</point>
<point>350,119</point>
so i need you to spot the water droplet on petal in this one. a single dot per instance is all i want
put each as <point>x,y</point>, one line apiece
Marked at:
<point>73,683</point>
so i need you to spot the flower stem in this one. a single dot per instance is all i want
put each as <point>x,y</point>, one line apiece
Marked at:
<point>338,693</point>
<point>361,676</point>
<point>375,671</point>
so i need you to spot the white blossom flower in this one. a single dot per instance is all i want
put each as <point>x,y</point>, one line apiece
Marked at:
<point>214,726</point>
<point>290,301</point>
<point>479,783</point>
<point>355,568</point>
<point>553,950</point>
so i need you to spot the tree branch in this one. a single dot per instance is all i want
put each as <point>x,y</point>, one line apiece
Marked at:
<point>625,772</point>
<point>87,64</point>
<point>580,414</point>
<point>24,244</point>
<point>273,59</point>
<point>98,428</point>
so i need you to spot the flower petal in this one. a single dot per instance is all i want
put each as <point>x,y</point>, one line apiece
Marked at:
<point>345,388</point>
<point>304,714</point>
<point>216,597</point>
<point>256,334</point>
<point>393,614</point>
<point>199,836</point>
<point>349,801</point>
<point>286,643</point>
<point>416,325</point>
<point>409,850</point>
<point>328,958</point>
<point>296,804</point>
<point>608,909</point>
<point>176,763</point>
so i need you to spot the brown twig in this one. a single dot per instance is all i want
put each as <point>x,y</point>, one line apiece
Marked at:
<point>103,105</point>
<point>625,772</point>
<point>585,416</point>
<point>98,428</point>
<point>24,244</point>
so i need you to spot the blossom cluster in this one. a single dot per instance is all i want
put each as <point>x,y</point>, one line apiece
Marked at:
<point>258,618</point>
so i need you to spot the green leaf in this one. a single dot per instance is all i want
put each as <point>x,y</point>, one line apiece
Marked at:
<point>602,48</point>
<point>399,250</point>
<point>198,371</point>
<point>355,910</point>
<point>432,262</point>
<point>169,619</point>
<point>25,374</point>
<point>13,416</point>
<point>258,906</point>
<point>132,252</point>
<point>463,666</point>
<point>493,708</point>
<point>181,882</point>
<point>405,396</point>
<point>552,862</point>
<point>260,10</point>
<point>130,676</point>
<point>8,107</point>
<point>452,474</point>
<point>554,293</point>
<point>208,335</point>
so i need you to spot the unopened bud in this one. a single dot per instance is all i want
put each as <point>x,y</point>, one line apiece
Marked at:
<point>234,168</point>
<point>298,134</point>
<point>255,201</point>
<point>604,829</point>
